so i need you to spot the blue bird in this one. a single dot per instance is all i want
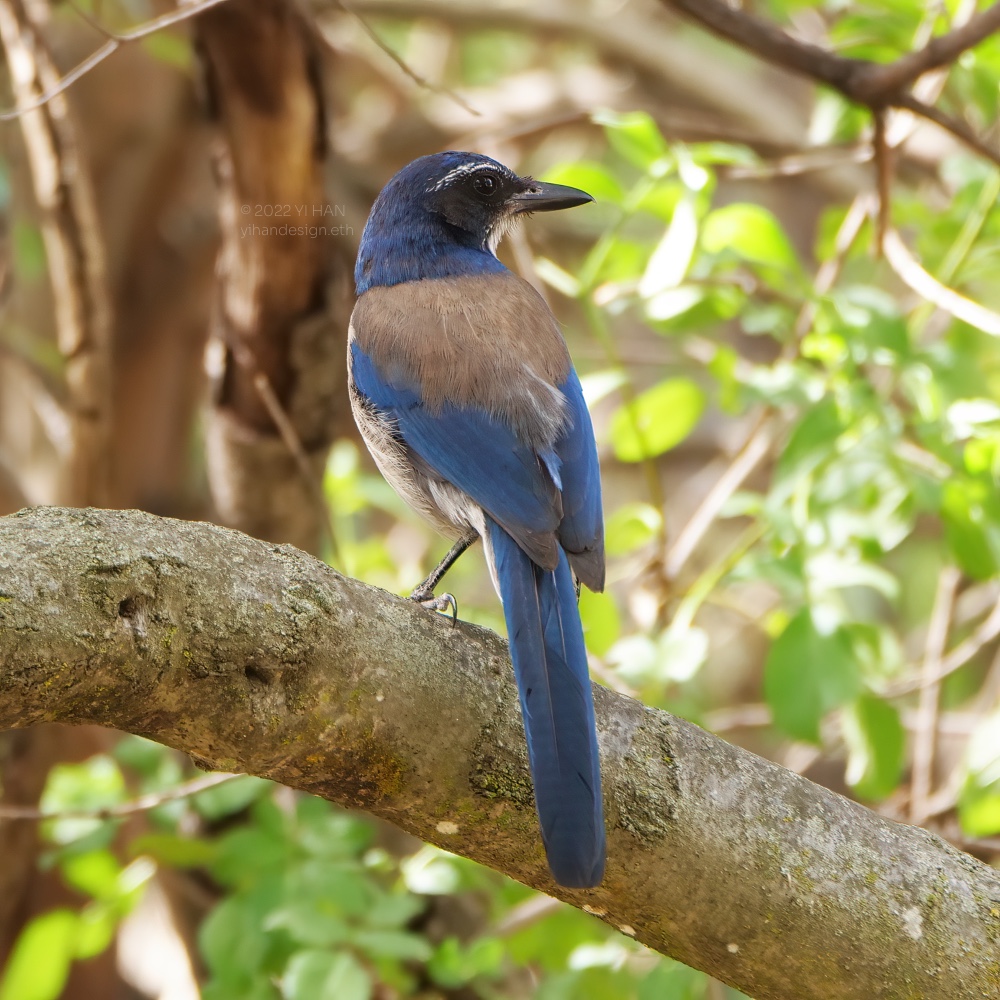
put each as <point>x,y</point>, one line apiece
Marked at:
<point>464,391</point>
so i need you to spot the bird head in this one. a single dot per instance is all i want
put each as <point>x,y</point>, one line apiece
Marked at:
<point>466,201</point>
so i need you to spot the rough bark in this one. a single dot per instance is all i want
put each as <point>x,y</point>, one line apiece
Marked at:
<point>255,657</point>
<point>74,249</point>
<point>271,425</point>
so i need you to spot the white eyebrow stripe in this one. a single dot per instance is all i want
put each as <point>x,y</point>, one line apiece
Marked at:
<point>463,171</point>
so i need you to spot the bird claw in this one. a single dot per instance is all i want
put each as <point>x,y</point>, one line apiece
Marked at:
<point>446,602</point>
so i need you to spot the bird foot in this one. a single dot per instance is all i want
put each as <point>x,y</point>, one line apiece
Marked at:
<point>446,602</point>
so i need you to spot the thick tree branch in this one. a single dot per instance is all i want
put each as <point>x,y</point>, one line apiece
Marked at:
<point>875,85</point>
<point>74,250</point>
<point>866,82</point>
<point>277,397</point>
<point>255,657</point>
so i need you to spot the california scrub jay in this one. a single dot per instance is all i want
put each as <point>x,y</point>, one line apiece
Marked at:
<point>463,389</point>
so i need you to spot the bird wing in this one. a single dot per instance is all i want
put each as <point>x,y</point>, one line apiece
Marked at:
<point>475,379</point>
<point>476,453</point>
<point>581,531</point>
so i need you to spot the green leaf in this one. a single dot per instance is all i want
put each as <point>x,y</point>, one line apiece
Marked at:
<point>395,909</point>
<point>95,930</point>
<point>671,259</point>
<point>232,937</point>
<point>393,944</point>
<point>230,797</point>
<point>752,233</point>
<point>28,251</point>
<point>657,420</point>
<point>970,509</point>
<point>876,743</point>
<point>683,651</point>
<point>330,833</point>
<point>637,658</point>
<point>257,987</point>
<point>145,756</point>
<point>726,153</point>
<point>246,852</point>
<point>811,443</point>
<point>630,527</point>
<point>808,673</point>
<point>558,278</point>
<point>636,138</point>
<point>673,980</point>
<point>174,50</point>
<point>723,367</point>
<point>601,621</point>
<point>673,302</point>
<point>599,385</point>
<point>663,199</point>
<point>94,784</point>
<point>876,326</point>
<point>979,801</point>
<point>308,922</point>
<point>453,965</point>
<point>94,873</point>
<point>174,850</point>
<point>40,961</point>
<point>979,811</point>
<point>594,178</point>
<point>430,872</point>
<point>320,975</point>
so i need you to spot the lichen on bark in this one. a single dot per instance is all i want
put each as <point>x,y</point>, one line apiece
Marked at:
<point>256,657</point>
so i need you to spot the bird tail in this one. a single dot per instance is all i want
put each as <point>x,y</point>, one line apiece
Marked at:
<point>550,664</point>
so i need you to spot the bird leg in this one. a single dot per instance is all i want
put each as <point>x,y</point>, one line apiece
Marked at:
<point>424,594</point>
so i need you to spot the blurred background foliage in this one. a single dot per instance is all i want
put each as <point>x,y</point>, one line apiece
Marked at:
<point>800,442</point>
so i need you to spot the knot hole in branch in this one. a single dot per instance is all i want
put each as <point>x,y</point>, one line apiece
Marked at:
<point>132,613</point>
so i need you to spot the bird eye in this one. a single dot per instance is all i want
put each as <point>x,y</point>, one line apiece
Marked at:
<point>486,184</point>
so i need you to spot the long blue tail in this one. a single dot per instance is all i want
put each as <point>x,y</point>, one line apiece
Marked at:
<point>550,664</point>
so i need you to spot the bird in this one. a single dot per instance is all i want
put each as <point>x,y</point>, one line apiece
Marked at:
<point>464,392</point>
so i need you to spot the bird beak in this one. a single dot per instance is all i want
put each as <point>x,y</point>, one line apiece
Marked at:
<point>542,197</point>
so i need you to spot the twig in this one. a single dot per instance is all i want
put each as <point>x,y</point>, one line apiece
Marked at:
<point>11,495</point>
<point>955,126</point>
<point>751,716</point>
<point>796,164</point>
<point>699,591</point>
<point>142,804</point>
<point>114,42</point>
<point>927,286</point>
<point>988,630</point>
<point>829,270</point>
<point>746,460</point>
<point>527,913</point>
<point>883,179</point>
<point>988,697</point>
<point>940,51</point>
<point>294,445</point>
<point>874,85</point>
<point>609,678</point>
<point>419,80</point>
<point>74,251</point>
<point>925,737</point>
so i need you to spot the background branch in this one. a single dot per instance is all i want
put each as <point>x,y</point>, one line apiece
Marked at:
<point>716,857</point>
<point>875,85</point>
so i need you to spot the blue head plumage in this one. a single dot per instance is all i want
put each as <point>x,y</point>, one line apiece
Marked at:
<point>443,215</point>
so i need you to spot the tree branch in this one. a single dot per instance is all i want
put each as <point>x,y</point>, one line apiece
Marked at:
<point>941,51</point>
<point>255,657</point>
<point>875,85</point>
<point>276,400</point>
<point>74,250</point>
